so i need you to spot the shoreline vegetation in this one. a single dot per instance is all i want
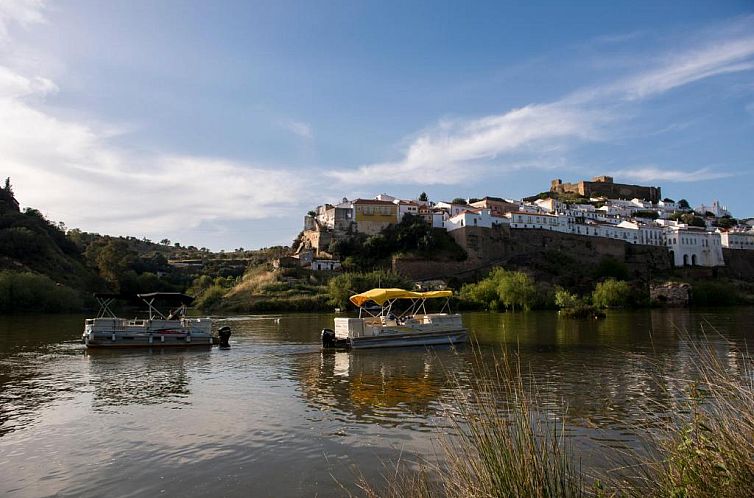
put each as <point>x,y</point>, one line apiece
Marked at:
<point>504,440</point>
<point>46,267</point>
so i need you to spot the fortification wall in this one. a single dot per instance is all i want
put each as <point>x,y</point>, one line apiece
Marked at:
<point>540,250</point>
<point>604,186</point>
<point>739,263</point>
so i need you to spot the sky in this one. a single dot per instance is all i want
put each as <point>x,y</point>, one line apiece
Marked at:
<point>220,124</point>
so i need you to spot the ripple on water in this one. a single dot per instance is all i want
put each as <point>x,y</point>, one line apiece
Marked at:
<point>237,422</point>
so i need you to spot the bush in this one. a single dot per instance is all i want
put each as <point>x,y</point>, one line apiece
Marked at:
<point>211,298</point>
<point>343,286</point>
<point>502,289</point>
<point>612,294</point>
<point>565,299</point>
<point>26,291</point>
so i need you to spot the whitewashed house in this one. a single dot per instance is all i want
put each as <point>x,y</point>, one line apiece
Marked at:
<point>325,265</point>
<point>406,207</point>
<point>738,239</point>
<point>550,205</point>
<point>693,246</point>
<point>472,218</point>
<point>439,216</point>
<point>453,209</point>
<point>542,221</point>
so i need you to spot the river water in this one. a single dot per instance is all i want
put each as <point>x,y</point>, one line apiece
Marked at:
<point>276,416</point>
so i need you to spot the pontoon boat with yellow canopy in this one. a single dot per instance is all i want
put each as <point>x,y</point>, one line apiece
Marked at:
<point>389,326</point>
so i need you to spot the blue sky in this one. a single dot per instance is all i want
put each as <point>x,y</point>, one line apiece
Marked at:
<point>220,124</point>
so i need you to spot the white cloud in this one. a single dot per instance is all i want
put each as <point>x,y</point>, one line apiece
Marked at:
<point>655,174</point>
<point>681,69</point>
<point>73,172</point>
<point>450,152</point>
<point>298,128</point>
<point>21,12</point>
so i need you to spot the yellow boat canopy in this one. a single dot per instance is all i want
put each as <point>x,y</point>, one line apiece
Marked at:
<point>379,296</point>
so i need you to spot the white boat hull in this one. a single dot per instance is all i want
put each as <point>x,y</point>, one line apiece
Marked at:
<point>385,332</point>
<point>410,339</point>
<point>121,333</point>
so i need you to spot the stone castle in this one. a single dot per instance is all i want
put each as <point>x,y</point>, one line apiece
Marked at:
<point>603,186</point>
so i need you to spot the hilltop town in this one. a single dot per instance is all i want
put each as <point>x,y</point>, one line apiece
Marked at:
<point>598,209</point>
<point>572,236</point>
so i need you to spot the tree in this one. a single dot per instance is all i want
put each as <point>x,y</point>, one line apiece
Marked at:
<point>612,293</point>
<point>165,242</point>
<point>683,204</point>
<point>516,290</point>
<point>727,222</point>
<point>423,197</point>
<point>458,200</point>
<point>8,188</point>
<point>114,261</point>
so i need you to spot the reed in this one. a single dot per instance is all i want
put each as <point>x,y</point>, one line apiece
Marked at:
<point>707,448</point>
<point>501,441</point>
<point>507,443</point>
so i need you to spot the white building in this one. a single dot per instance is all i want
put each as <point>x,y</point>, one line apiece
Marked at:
<point>406,207</point>
<point>550,205</point>
<point>716,209</point>
<point>472,218</point>
<point>738,239</point>
<point>325,265</point>
<point>438,218</point>
<point>542,221</point>
<point>694,246</point>
<point>453,209</point>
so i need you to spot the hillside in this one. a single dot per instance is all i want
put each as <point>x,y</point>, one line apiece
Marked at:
<point>43,267</point>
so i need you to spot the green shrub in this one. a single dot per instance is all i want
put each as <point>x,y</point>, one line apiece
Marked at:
<point>565,299</point>
<point>211,298</point>
<point>612,293</point>
<point>26,291</point>
<point>343,286</point>
<point>503,289</point>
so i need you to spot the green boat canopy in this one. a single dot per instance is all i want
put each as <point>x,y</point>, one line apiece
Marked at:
<point>379,296</point>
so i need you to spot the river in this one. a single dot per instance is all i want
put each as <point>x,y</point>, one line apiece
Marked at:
<point>276,416</point>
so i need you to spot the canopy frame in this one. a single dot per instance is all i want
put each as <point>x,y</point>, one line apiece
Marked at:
<point>391,296</point>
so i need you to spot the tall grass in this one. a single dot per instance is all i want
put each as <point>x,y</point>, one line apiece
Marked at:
<point>507,443</point>
<point>707,448</point>
<point>502,443</point>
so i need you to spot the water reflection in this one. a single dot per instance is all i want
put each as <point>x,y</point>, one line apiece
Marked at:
<point>275,401</point>
<point>384,385</point>
<point>142,376</point>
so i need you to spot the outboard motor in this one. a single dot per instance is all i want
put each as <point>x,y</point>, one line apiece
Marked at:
<point>328,338</point>
<point>224,334</point>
